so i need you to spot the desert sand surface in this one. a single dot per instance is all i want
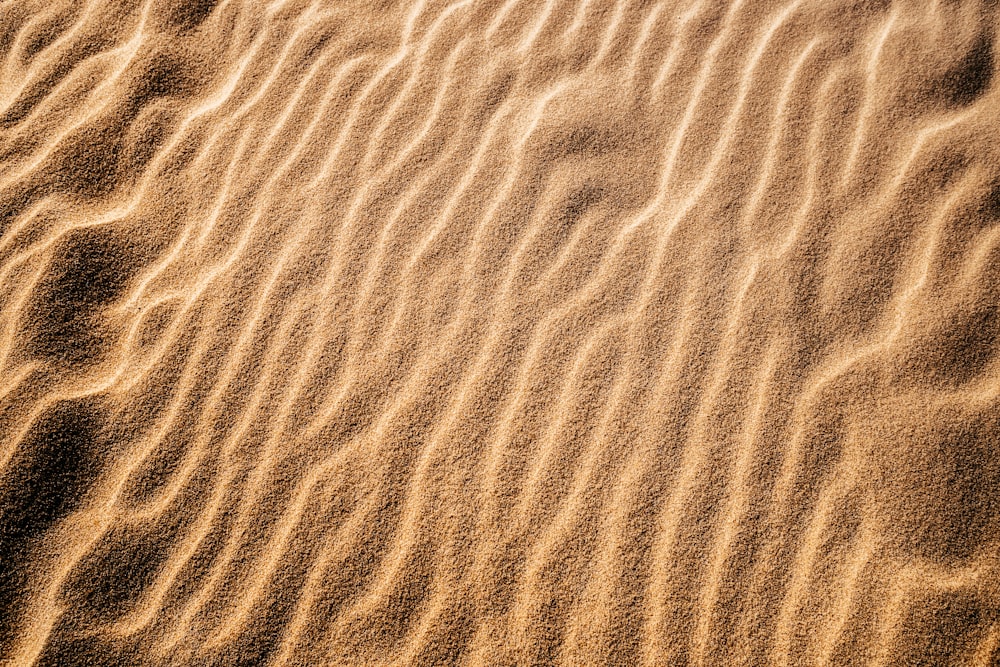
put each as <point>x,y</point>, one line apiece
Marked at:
<point>499,332</point>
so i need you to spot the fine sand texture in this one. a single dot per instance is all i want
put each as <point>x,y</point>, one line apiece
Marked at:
<point>499,332</point>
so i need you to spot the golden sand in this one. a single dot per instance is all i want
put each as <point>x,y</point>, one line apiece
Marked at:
<point>499,332</point>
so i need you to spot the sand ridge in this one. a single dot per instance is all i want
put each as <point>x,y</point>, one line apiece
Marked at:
<point>515,332</point>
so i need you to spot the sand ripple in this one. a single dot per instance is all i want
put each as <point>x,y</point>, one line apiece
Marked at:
<point>505,332</point>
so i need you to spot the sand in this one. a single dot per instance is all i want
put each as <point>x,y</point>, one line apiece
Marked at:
<point>499,332</point>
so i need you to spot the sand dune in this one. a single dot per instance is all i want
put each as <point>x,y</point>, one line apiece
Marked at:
<point>499,332</point>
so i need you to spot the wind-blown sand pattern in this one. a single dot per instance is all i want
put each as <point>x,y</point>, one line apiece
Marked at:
<point>510,332</point>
